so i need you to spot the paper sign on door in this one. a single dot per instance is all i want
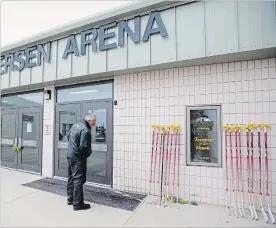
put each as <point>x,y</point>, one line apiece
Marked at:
<point>29,127</point>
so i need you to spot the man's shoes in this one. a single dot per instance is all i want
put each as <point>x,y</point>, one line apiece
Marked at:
<point>81,207</point>
<point>69,202</point>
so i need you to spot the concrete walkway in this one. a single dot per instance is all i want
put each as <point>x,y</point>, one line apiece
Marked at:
<point>26,207</point>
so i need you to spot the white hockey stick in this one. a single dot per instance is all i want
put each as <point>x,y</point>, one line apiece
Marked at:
<point>266,167</point>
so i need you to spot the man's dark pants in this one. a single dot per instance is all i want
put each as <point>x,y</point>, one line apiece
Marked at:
<point>77,169</point>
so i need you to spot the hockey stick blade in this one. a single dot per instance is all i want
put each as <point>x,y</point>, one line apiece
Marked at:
<point>255,213</point>
<point>271,216</point>
<point>235,210</point>
<point>251,211</point>
<point>240,211</point>
<point>243,211</point>
<point>264,215</point>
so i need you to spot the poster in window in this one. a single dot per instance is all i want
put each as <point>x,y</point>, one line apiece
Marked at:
<point>29,127</point>
<point>203,136</point>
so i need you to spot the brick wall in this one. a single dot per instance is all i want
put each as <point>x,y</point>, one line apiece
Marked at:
<point>246,90</point>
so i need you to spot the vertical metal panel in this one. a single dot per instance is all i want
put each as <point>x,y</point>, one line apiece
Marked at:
<point>117,57</point>
<point>5,81</point>
<point>210,28</point>
<point>250,25</point>
<point>190,31</point>
<point>268,24</point>
<point>36,72</point>
<point>221,27</point>
<point>50,68</point>
<point>255,26</point>
<point>97,60</point>
<point>231,19</point>
<point>79,63</point>
<point>163,49</point>
<point>25,75</point>
<point>138,53</point>
<point>14,78</point>
<point>243,19</point>
<point>63,65</point>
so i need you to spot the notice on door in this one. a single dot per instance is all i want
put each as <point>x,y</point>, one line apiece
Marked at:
<point>29,127</point>
<point>47,130</point>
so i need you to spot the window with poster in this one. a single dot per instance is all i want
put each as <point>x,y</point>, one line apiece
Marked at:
<point>204,136</point>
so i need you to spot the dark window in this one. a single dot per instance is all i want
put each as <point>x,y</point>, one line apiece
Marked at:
<point>204,136</point>
<point>22,100</point>
<point>85,93</point>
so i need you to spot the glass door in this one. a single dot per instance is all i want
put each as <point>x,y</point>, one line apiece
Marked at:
<point>66,116</point>
<point>99,164</point>
<point>30,139</point>
<point>9,130</point>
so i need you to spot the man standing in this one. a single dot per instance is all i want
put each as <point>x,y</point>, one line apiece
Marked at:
<point>79,149</point>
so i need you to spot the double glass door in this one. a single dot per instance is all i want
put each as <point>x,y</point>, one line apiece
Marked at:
<point>99,164</point>
<point>21,138</point>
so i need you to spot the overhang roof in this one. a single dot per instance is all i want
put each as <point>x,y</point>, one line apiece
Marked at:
<point>115,14</point>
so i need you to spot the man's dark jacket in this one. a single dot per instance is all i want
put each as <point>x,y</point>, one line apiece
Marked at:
<point>79,145</point>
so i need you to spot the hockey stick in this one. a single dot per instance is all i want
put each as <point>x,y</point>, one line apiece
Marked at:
<point>178,164</point>
<point>232,172</point>
<point>248,171</point>
<point>151,158</point>
<point>161,145</point>
<point>252,170</point>
<point>169,198</point>
<point>226,128</point>
<point>260,170</point>
<point>266,167</point>
<point>155,158</point>
<point>163,134</point>
<point>174,160</point>
<point>241,171</point>
<point>237,172</point>
<point>166,184</point>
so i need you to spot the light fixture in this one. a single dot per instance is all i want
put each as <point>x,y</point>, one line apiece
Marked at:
<point>85,91</point>
<point>47,94</point>
<point>29,97</point>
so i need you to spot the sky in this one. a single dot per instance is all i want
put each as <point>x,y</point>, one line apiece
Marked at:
<point>23,19</point>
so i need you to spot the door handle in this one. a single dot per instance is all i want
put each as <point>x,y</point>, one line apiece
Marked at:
<point>16,148</point>
<point>20,142</point>
<point>19,148</point>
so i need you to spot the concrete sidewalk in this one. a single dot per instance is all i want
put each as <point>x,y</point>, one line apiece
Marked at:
<point>26,207</point>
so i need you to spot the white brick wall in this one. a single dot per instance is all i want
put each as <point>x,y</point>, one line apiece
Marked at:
<point>48,140</point>
<point>246,90</point>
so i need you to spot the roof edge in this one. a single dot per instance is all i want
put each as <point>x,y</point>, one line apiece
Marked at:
<point>65,29</point>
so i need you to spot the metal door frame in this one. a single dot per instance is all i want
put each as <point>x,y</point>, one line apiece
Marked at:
<point>17,111</point>
<point>39,147</point>
<point>13,165</point>
<point>56,121</point>
<point>60,107</point>
<point>106,104</point>
<point>64,104</point>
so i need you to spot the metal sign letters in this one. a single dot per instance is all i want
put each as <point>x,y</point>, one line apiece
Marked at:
<point>33,56</point>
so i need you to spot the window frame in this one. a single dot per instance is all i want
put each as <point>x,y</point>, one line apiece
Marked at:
<point>219,136</point>
<point>82,86</point>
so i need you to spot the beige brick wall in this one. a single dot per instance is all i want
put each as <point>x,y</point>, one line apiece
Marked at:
<point>246,90</point>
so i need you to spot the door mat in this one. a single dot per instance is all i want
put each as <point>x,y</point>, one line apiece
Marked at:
<point>106,197</point>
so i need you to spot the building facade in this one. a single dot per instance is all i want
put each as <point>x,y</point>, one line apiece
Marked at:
<point>153,62</point>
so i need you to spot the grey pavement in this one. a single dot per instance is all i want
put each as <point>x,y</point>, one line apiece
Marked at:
<point>25,207</point>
